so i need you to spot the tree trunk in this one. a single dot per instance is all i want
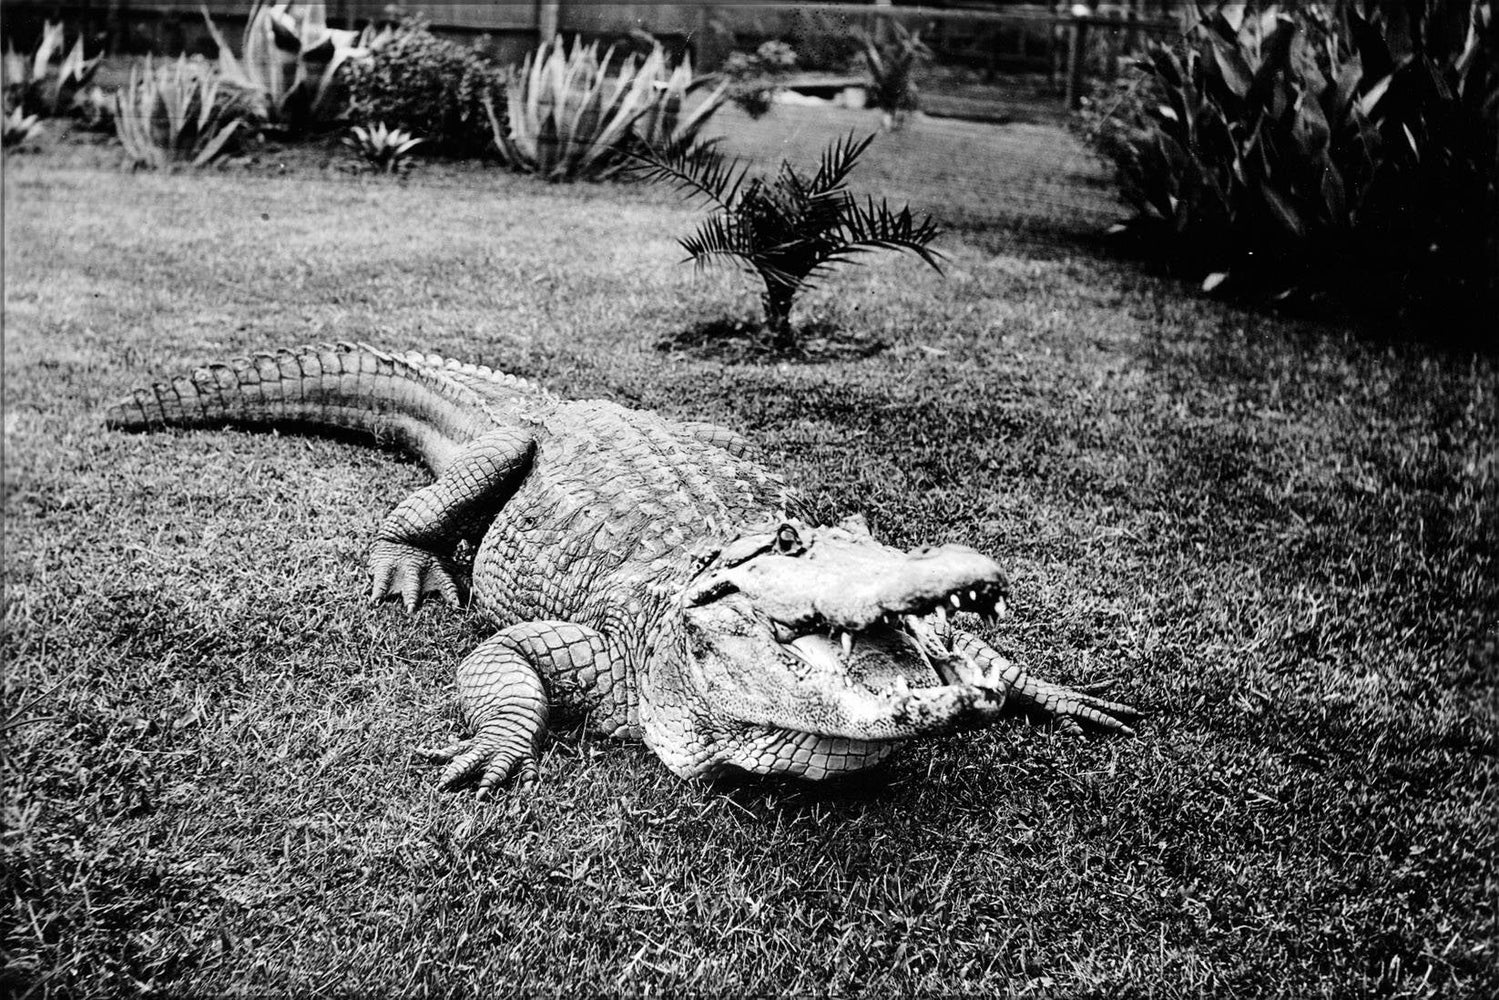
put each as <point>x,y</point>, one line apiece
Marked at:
<point>777,300</point>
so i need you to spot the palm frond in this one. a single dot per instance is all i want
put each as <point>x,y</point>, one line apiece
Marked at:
<point>717,236</point>
<point>838,160</point>
<point>701,170</point>
<point>874,227</point>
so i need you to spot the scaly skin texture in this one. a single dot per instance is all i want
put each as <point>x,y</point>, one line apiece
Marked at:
<point>647,575</point>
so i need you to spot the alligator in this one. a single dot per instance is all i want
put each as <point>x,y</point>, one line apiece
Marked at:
<point>646,573</point>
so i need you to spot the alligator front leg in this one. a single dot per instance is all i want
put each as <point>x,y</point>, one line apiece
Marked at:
<point>412,552</point>
<point>505,701</point>
<point>981,665</point>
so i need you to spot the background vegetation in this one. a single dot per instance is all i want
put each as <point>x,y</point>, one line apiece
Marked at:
<point>1277,536</point>
<point>1293,150</point>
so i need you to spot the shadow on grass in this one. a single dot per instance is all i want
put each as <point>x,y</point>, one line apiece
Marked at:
<point>746,341</point>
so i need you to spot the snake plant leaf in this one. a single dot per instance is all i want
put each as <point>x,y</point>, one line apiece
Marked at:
<point>1232,67</point>
<point>1275,54</point>
<point>1282,212</point>
<point>1371,98</point>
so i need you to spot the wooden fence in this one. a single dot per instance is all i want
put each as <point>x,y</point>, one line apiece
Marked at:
<point>999,36</point>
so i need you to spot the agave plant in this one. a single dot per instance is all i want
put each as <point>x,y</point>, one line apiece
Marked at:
<point>176,113</point>
<point>20,128</point>
<point>569,116</point>
<point>289,61</point>
<point>789,229</point>
<point>32,84</point>
<point>892,69</point>
<point>383,148</point>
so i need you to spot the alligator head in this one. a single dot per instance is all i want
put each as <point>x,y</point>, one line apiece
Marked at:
<point>811,650</point>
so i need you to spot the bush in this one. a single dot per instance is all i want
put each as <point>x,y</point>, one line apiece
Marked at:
<point>1292,150</point>
<point>570,116</point>
<point>427,86</point>
<point>754,78</point>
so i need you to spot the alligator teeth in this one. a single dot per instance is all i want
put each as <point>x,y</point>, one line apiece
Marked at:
<point>957,601</point>
<point>942,615</point>
<point>973,595</point>
<point>848,643</point>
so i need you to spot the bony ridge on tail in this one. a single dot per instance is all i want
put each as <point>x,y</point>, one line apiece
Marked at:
<point>646,573</point>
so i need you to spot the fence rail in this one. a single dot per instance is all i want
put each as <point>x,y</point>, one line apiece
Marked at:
<point>700,27</point>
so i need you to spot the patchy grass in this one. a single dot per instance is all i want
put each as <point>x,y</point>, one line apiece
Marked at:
<point>1277,538</point>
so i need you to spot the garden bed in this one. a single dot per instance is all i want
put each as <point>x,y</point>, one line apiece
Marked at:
<point>1276,538</point>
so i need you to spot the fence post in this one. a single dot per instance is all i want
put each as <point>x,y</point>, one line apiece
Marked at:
<point>546,20</point>
<point>881,28</point>
<point>1077,60</point>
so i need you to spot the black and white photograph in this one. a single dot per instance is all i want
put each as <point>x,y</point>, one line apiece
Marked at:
<point>813,500</point>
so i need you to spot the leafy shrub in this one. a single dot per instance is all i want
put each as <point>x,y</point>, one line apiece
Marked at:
<point>791,228</point>
<point>1295,149</point>
<point>384,149</point>
<point>892,69</point>
<point>569,117</point>
<point>35,87</point>
<point>176,113</point>
<point>754,77</point>
<point>20,128</point>
<point>95,108</point>
<point>427,86</point>
<point>289,62</point>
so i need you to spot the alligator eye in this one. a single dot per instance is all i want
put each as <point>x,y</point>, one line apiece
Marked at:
<point>788,542</point>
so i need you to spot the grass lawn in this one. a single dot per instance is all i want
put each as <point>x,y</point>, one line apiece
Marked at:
<point>1278,539</point>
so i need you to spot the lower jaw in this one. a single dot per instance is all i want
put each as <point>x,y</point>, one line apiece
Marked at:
<point>803,755</point>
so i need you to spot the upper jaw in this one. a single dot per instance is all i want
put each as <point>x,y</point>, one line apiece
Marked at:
<point>917,615</point>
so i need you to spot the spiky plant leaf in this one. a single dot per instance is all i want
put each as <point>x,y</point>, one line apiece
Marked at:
<point>790,228</point>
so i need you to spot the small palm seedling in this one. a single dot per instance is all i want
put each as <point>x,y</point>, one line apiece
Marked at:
<point>20,128</point>
<point>892,69</point>
<point>791,228</point>
<point>385,149</point>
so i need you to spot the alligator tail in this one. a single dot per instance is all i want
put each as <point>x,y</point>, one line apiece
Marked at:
<point>427,405</point>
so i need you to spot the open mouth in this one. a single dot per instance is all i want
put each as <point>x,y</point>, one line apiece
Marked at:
<point>923,625</point>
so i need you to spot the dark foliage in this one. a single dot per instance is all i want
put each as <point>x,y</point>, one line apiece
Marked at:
<point>1290,151</point>
<point>430,87</point>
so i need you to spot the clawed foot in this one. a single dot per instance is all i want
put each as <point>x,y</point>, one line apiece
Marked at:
<point>981,665</point>
<point>494,753</point>
<point>410,573</point>
<point>1073,709</point>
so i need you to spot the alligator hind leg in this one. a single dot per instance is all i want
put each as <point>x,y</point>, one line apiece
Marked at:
<point>505,702</point>
<point>410,557</point>
<point>984,666</point>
